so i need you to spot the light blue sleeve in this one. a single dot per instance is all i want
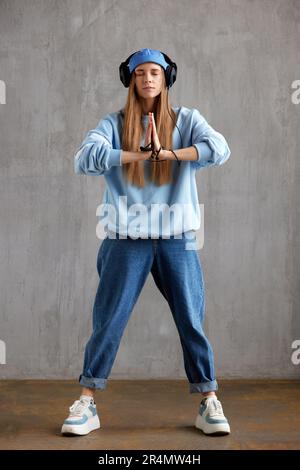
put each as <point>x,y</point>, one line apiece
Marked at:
<point>211,146</point>
<point>95,156</point>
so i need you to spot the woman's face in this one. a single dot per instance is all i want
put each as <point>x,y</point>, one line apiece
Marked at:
<point>148,75</point>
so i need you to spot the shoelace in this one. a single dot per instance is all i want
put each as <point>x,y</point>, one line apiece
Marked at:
<point>77,408</point>
<point>215,408</point>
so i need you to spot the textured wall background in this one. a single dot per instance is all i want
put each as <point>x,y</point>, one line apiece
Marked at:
<point>236,62</point>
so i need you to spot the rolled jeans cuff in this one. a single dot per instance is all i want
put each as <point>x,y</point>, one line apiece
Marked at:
<point>92,382</point>
<point>211,386</point>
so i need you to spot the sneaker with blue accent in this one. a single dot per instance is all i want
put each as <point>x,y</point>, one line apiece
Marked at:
<point>211,419</point>
<point>83,417</point>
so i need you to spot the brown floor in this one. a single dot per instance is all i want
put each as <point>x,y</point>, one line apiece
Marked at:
<point>150,414</point>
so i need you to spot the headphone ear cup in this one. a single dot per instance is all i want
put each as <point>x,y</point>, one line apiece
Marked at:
<point>173,74</point>
<point>124,74</point>
<point>170,72</point>
<point>168,76</point>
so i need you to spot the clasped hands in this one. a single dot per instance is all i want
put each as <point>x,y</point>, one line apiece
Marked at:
<point>158,153</point>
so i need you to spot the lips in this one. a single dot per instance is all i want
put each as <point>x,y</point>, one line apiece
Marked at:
<point>148,88</point>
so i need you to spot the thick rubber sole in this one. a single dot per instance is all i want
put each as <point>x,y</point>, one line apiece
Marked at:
<point>82,429</point>
<point>218,429</point>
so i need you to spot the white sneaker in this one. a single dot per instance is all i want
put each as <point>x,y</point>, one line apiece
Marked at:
<point>211,419</point>
<point>83,417</point>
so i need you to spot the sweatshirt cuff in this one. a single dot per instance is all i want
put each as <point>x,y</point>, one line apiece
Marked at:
<point>114,157</point>
<point>204,151</point>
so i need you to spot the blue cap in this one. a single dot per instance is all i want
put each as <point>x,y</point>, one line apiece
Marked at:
<point>147,55</point>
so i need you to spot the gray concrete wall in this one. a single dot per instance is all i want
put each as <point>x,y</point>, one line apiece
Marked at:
<point>236,62</point>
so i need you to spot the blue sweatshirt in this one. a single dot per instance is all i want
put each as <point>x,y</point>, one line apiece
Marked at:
<point>153,210</point>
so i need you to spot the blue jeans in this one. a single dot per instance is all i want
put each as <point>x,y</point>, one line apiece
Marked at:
<point>123,265</point>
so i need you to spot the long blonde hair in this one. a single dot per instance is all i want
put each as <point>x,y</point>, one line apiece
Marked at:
<point>132,134</point>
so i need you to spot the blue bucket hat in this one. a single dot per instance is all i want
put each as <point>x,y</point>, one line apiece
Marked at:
<point>147,55</point>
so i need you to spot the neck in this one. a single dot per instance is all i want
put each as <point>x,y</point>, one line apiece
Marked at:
<point>148,105</point>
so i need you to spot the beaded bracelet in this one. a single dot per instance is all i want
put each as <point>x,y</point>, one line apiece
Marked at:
<point>154,158</point>
<point>178,161</point>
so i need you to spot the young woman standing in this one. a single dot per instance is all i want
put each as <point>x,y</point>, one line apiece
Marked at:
<point>145,176</point>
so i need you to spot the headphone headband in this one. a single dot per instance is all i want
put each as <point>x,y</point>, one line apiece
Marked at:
<point>170,71</point>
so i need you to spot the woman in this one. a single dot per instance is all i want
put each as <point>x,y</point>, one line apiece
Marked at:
<point>146,176</point>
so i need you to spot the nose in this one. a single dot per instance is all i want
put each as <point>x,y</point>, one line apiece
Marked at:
<point>147,80</point>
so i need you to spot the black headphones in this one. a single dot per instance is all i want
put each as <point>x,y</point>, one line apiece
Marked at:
<point>170,71</point>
